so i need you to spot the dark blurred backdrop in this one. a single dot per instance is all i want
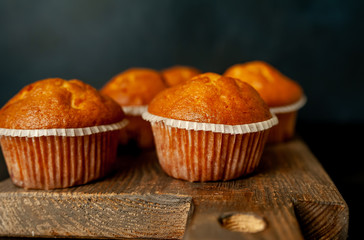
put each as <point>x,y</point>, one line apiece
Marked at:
<point>320,44</point>
<point>317,43</point>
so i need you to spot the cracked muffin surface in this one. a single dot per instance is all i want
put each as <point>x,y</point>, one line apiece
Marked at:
<point>211,98</point>
<point>58,103</point>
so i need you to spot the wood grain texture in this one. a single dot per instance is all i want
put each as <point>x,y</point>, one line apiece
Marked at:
<point>290,191</point>
<point>89,215</point>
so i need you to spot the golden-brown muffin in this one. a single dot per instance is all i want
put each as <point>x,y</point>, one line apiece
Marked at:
<point>133,89</point>
<point>178,74</point>
<point>277,91</point>
<point>211,98</point>
<point>209,128</point>
<point>56,133</point>
<point>57,103</point>
<point>275,88</point>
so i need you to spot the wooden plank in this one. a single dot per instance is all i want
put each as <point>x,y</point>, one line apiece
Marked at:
<point>94,215</point>
<point>290,195</point>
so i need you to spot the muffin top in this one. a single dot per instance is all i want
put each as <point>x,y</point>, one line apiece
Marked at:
<point>57,103</point>
<point>134,87</point>
<point>275,88</point>
<point>211,98</point>
<point>178,74</point>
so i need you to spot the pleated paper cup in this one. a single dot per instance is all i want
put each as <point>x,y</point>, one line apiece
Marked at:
<point>59,158</point>
<point>138,129</point>
<point>287,116</point>
<point>135,110</point>
<point>195,151</point>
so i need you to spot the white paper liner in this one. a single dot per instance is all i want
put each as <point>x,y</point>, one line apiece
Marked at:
<point>290,108</point>
<point>218,128</point>
<point>135,110</point>
<point>67,132</point>
<point>58,162</point>
<point>206,156</point>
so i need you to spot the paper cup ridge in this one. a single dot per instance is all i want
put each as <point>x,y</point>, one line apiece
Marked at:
<point>60,161</point>
<point>200,155</point>
<point>68,132</point>
<point>135,110</point>
<point>290,108</point>
<point>218,128</point>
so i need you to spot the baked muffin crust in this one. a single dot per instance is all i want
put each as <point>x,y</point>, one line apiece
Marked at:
<point>211,98</point>
<point>134,87</point>
<point>57,103</point>
<point>178,74</point>
<point>275,88</point>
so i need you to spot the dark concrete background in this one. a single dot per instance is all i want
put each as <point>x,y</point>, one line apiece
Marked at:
<point>319,43</point>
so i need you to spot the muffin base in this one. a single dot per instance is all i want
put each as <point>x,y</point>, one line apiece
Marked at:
<point>285,129</point>
<point>287,116</point>
<point>49,162</point>
<point>205,155</point>
<point>138,130</point>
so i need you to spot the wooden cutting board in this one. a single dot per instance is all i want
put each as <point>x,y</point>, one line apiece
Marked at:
<point>290,196</point>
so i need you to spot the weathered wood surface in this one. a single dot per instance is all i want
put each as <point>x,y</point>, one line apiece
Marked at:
<point>290,196</point>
